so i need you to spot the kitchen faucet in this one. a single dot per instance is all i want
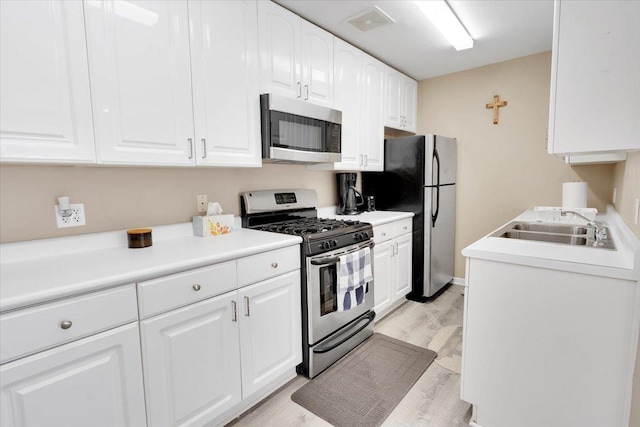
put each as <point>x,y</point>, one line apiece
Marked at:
<point>600,230</point>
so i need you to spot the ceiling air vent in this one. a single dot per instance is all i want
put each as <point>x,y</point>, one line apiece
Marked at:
<point>369,19</point>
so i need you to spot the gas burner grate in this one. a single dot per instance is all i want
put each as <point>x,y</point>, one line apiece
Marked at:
<point>308,226</point>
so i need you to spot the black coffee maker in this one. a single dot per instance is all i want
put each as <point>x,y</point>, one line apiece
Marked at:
<point>348,197</point>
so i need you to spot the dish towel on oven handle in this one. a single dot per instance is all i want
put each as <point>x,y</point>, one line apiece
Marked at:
<point>353,278</point>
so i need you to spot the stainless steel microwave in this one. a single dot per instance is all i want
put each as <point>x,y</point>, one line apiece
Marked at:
<point>295,131</point>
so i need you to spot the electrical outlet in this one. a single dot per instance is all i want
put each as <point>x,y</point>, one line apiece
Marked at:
<point>615,194</point>
<point>202,202</point>
<point>76,218</point>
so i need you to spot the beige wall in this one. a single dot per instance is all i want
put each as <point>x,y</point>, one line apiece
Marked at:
<point>120,198</point>
<point>627,181</point>
<point>503,169</point>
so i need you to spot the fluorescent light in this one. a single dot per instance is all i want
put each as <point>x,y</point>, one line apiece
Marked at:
<point>441,15</point>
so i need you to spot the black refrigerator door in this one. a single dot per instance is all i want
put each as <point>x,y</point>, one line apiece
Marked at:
<point>400,186</point>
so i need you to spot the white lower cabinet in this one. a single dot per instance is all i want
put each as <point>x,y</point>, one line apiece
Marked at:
<point>207,361</point>
<point>392,265</point>
<point>192,362</point>
<point>270,330</point>
<point>95,381</point>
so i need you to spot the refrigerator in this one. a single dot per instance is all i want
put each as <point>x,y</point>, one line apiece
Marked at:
<point>420,177</point>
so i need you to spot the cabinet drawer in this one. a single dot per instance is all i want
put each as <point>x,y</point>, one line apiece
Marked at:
<point>255,268</point>
<point>402,227</point>
<point>382,233</point>
<point>37,328</point>
<point>160,295</point>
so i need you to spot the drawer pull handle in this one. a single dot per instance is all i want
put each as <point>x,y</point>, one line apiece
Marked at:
<point>404,228</point>
<point>66,324</point>
<point>274,264</point>
<point>247,309</point>
<point>234,311</point>
<point>384,234</point>
<point>197,287</point>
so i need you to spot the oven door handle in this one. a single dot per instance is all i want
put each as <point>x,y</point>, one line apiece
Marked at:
<point>335,259</point>
<point>368,318</point>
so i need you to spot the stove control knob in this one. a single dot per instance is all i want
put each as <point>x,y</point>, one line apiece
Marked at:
<point>357,237</point>
<point>334,243</point>
<point>325,245</point>
<point>366,234</point>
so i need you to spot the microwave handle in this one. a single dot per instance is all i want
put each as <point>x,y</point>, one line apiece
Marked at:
<point>335,259</point>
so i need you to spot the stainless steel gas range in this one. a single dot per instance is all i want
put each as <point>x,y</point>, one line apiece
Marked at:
<point>327,333</point>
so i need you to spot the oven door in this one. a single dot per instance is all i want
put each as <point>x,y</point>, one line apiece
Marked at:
<point>322,301</point>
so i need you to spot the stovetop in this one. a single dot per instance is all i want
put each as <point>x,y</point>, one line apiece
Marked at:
<point>322,235</point>
<point>294,212</point>
<point>308,227</point>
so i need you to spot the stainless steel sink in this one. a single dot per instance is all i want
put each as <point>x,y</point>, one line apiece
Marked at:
<point>550,228</point>
<point>566,234</point>
<point>567,239</point>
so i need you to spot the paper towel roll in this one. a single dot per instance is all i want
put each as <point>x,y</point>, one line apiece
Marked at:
<point>574,194</point>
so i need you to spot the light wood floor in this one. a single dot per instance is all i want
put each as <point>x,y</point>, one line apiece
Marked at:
<point>433,401</point>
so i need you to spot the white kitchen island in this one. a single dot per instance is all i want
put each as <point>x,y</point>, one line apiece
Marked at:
<point>551,330</point>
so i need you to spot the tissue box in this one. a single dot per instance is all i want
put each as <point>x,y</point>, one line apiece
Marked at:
<point>213,225</point>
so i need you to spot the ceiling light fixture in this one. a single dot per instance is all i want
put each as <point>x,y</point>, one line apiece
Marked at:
<point>441,15</point>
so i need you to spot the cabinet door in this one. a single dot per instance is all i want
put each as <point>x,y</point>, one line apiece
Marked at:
<point>45,107</point>
<point>279,38</point>
<point>348,99</point>
<point>192,362</point>
<point>382,276</point>
<point>270,330</point>
<point>224,55</point>
<point>96,381</point>
<point>317,65</point>
<point>410,103</point>
<point>141,81</point>
<point>372,121</point>
<point>393,99</point>
<point>595,100</point>
<point>403,265</point>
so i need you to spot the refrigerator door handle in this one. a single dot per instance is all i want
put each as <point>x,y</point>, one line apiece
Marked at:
<point>436,166</point>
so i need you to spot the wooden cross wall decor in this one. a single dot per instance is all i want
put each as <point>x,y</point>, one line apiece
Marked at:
<point>495,105</point>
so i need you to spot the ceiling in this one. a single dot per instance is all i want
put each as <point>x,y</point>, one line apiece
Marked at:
<point>501,29</point>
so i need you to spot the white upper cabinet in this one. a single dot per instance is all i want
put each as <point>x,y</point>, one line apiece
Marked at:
<point>141,81</point>
<point>401,101</point>
<point>359,94</point>
<point>393,99</point>
<point>595,88</point>
<point>317,64</point>
<point>348,99</point>
<point>373,98</point>
<point>296,57</point>
<point>410,98</point>
<point>45,104</point>
<point>224,58</point>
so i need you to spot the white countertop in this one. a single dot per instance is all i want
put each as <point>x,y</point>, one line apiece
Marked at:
<point>623,262</point>
<point>42,270</point>
<point>374,218</point>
